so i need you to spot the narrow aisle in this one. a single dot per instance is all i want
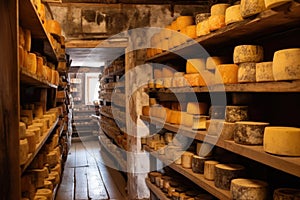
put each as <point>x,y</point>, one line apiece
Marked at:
<point>86,178</point>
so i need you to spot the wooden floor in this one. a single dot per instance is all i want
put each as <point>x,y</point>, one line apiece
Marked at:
<point>85,177</point>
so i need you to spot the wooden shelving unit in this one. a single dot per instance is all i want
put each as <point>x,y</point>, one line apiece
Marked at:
<point>33,80</point>
<point>157,191</point>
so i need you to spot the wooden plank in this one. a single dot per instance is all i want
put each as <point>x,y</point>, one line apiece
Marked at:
<point>157,191</point>
<point>71,159</point>
<point>66,188</point>
<point>32,79</point>
<point>96,188</point>
<point>9,102</point>
<point>95,44</point>
<point>81,160</point>
<point>81,185</point>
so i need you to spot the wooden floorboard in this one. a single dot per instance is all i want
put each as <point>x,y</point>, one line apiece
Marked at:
<point>66,188</point>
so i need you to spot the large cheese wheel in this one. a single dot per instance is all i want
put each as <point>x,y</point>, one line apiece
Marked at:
<point>197,108</point>
<point>202,28</point>
<point>217,112</point>
<point>209,169</point>
<point>249,189</point>
<point>186,160</point>
<point>286,194</point>
<point>48,185</point>
<point>286,64</point>
<point>27,35</point>
<point>199,122</point>
<point>219,9</point>
<point>201,17</point>
<point>191,31</point>
<point>24,150</point>
<point>21,56</point>
<point>212,62</point>
<point>22,130</point>
<point>224,130</point>
<point>37,131</point>
<point>264,71</point>
<point>250,133</point>
<point>44,192</point>
<point>195,65</point>
<point>21,37</point>
<point>39,67</point>
<point>247,53</point>
<point>233,14</point>
<point>274,3</point>
<point>224,173</point>
<point>31,64</point>
<point>184,21</point>
<point>53,26</point>
<point>187,119</point>
<point>31,139</point>
<point>252,7</point>
<point>282,141</point>
<point>198,164</point>
<point>194,80</point>
<point>226,74</point>
<point>247,73</point>
<point>236,113</point>
<point>216,22</point>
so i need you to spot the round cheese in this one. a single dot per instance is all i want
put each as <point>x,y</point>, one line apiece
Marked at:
<point>37,131</point>
<point>31,139</point>
<point>199,122</point>
<point>197,108</point>
<point>218,127</point>
<point>21,56</point>
<point>286,64</point>
<point>247,53</point>
<point>233,14</point>
<point>31,64</point>
<point>24,150</point>
<point>38,197</point>
<point>224,173</point>
<point>226,74</point>
<point>216,22</point>
<point>159,83</point>
<point>274,3</point>
<point>286,194</point>
<point>198,164</point>
<point>282,141</point>
<point>56,175</point>
<point>168,82</point>
<point>157,73</point>
<point>264,71</point>
<point>236,113</point>
<point>39,67</point>
<point>48,185</point>
<point>146,110</point>
<point>27,35</point>
<point>202,28</point>
<point>247,73</point>
<point>209,169</point>
<point>252,7</point>
<point>151,83</point>
<point>219,9</point>
<point>249,189</point>
<point>187,119</point>
<point>53,27</point>
<point>250,133</point>
<point>201,17</point>
<point>21,37</point>
<point>194,80</point>
<point>22,130</point>
<point>191,31</point>
<point>186,160</point>
<point>217,112</point>
<point>184,21</point>
<point>212,62</point>
<point>44,192</point>
<point>195,65</point>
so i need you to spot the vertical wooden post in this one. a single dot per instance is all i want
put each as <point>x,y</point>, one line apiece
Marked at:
<point>43,99</point>
<point>9,102</point>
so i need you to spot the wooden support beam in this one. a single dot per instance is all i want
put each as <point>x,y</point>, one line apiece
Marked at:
<point>115,43</point>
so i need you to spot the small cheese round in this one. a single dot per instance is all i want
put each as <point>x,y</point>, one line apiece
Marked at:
<point>22,130</point>
<point>216,22</point>
<point>198,164</point>
<point>264,72</point>
<point>27,35</point>
<point>219,9</point>
<point>201,17</point>
<point>249,189</point>
<point>21,56</point>
<point>247,73</point>
<point>44,192</point>
<point>233,14</point>
<point>274,3</point>
<point>184,21</point>
<point>168,82</point>
<point>157,73</point>
<point>167,72</point>
<point>197,108</point>
<point>209,169</point>
<point>53,26</point>
<point>39,67</point>
<point>247,53</point>
<point>31,138</point>
<point>202,28</point>
<point>194,80</point>
<point>212,62</point>
<point>31,64</point>
<point>21,37</point>
<point>252,7</point>
<point>191,31</point>
<point>224,173</point>
<point>236,113</point>
<point>37,131</point>
<point>226,74</point>
<point>286,64</point>
<point>187,119</point>
<point>186,160</point>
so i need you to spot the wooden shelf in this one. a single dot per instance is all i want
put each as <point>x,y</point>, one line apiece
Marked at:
<point>278,86</point>
<point>115,73</point>
<point>264,25</point>
<point>107,115</point>
<point>39,146</point>
<point>32,80</point>
<point>157,191</point>
<point>198,179</point>
<point>29,19</point>
<point>289,165</point>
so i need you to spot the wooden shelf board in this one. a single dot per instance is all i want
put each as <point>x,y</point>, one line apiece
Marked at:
<point>278,86</point>
<point>33,80</point>
<point>198,179</point>
<point>115,73</point>
<point>107,115</point>
<point>29,19</point>
<point>266,23</point>
<point>289,165</point>
<point>157,191</point>
<point>39,146</point>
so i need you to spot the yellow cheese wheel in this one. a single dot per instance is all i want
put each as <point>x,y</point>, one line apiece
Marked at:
<point>31,139</point>
<point>197,108</point>
<point>146,110</point>
<point>187,119</point>
<point>44,192</point>
<point>31,64</point>
<point>191,31</point>
<point>233,14</point>
<point>247,73</point>
<point>24,150</point>
<point>212,62</point>
<point>219,9</point>
<point>42,13</point>
<point>194,80</point>
<point>264,71</point>
<point>168,82</point>
<point>199,122</point>
<point>174,25</point>
<point>178,74</point>
<point>49,74</point>
<point>202,28</point>
<point>21,56</point>
<point>209,169</point>
<point>38,197</point>
<point>21,37</point>
<point>45,72</point>
<point>180,81</point>
<point>286,64</point>
<point>175,117</point>
<point>195,65</point>
<point>53,26</point>
<point>27,35</point>
<point>39,68</point>
<point>216,22</point>
<point>246,189</point>
<point>252,7</point>
<point>39,125</point>
<point>226,74</point>
<point>282,141</point>
<point>248,53</point>
<point>274,3</point>
<point>186,160</point>
<point>37,131</point>
<point>184,21</point>
<point>22,130</point>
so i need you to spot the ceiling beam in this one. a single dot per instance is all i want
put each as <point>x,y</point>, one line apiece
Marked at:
<point>96,44</point>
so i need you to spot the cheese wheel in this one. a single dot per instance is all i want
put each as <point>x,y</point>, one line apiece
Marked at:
<point>249,189</point>
<point>212,62</point>
<point>252,7</point>
<point>31,64</point>
<point>199,122</point>
<point>24,150</point>
<point>42,13</point>
<point>157,73</point>
<point>178,74</point>
<point>217,112</point>
<point>38,197</point>
<point>28,114</point>
<point>197,108</point>
<point>247,73</point>
<point>286,64</point>
<point>159,83</point>
<point>250,133</point>
<point>202,28</point>
<point>195,65</point>
<point>153,175</point>
<point>226,74</point>
<point>48,185</point>
<point>204,149</point>
<point>39,176</point>
<point>217,127</point>
<point>219,9</point>
<point>175,117</point>
<point>282,141</point>
<point>174,25</point>
<point>264,71</point>
<point>201,17</point>
<point>167,72</point>
<point>44,192</point>
<point>21,37</point>
<point>236,113</point>
<point>194,80</point>
<point>146,110</point>
<point>179,81</point>
<point>53,27</point>
<point>247,53</point>
<point>233,14</point>
<point>186,160</point>
<point>39,67</point>
<point>187,119</point>
<point>57,177</point>
<point>27,36</point>
<point>286,194</point>
<point>22,130</point>
<point>191,31</point>
<point>224,173</point>
<point>21,56</point>
<point>274,3</point>
<point>216,22</point>
<point>37,131</point>
<point>151,84</point>
<point>209,169</point>
<point>198,164</point>
<point>168,82</point>
<point>184,21</point>
<point>152,101</point>
<point>31,139</point>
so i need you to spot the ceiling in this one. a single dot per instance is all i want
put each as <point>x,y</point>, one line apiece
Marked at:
<point>178,2</point>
